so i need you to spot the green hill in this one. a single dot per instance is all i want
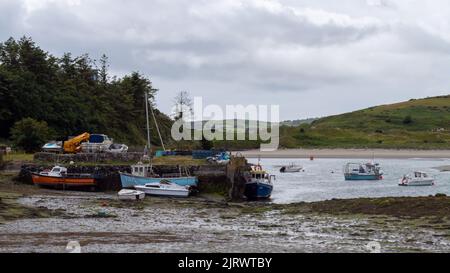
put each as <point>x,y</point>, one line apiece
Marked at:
<point>421,124</point>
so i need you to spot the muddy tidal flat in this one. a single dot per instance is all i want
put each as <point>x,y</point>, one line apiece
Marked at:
<point>36,220</point>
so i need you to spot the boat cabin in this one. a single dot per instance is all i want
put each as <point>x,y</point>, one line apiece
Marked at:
<point>56,171</point>
<point>258,174</point>
<point>420,175</point>
<point>359,168</point>
<point>141,169</point>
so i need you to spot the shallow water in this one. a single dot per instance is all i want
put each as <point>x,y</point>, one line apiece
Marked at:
<point>323,179</point>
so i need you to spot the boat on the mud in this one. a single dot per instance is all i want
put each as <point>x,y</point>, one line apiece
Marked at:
<point>417,179</point>
<point>291,168</point>
<point>259,184</point>
<point>131,195</point>
<point>58,176</point>
<point>164,188</point>
<point>360,171</point>
<point>142,174</point>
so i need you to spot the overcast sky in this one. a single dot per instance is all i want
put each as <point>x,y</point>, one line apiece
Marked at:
<point>312,57</point>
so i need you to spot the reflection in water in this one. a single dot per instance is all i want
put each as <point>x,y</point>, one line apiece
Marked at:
<point>323,179</point>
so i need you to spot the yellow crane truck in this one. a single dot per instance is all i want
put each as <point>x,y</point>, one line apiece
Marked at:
<point>73,145</point>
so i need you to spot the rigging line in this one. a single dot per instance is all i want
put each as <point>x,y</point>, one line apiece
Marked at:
<point>157,127</point>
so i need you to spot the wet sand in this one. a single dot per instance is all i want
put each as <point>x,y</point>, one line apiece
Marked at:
<point>42,220</point>
<point>347,153</point>
<point>101,223</point>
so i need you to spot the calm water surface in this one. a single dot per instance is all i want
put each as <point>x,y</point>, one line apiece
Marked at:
<point>323,179</point>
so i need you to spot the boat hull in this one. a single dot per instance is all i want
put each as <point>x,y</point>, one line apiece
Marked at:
<point>131,195</point>
<point>290,170</point>
<point>258,190</point>
<point>363,177</point>
<point>44,180</point>
<point>130,181</point>
<point>421,183</point>
<point>163,192</point>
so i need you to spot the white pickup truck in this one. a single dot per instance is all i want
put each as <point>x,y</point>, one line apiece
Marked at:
<point>98,143</point>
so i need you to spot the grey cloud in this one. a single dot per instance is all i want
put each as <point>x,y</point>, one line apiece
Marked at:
<point>288,49</point>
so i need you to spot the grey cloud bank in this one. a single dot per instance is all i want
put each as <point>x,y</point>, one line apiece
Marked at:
<point>313,58</point>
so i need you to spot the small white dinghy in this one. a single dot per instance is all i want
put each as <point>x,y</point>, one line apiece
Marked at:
<point>131,195</point>
<point>164,188</point>
<point>417,179</point>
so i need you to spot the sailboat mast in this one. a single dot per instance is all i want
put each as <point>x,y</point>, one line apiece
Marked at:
<point>148,124</point>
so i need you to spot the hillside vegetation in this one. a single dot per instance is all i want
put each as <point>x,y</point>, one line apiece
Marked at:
<point>422,124</point>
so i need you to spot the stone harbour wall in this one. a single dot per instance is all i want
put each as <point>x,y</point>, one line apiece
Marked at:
<point>88,157</point>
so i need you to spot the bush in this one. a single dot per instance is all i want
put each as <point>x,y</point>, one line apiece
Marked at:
<point>407,120</point>
<point>29,134</point>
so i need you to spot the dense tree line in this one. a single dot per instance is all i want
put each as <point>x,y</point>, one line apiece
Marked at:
<point>72,94</point>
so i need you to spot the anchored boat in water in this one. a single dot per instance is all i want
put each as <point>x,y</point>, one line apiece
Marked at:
<point>417,179</point>
<point>142,174</point>
<point>58,176</point>
<point>259,184</point>
<point>360,171</point>
<point>292,168</point>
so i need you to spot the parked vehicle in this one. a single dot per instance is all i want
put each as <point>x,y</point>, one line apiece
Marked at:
<point>58,176</point>
<point>97,143</point>
<point>164,188</point>
<point>417,179</point>
<point>53,147</point>
<point>360,171</point>
<point>73,145</point>
<point>259,184</point>
<point>131,195</point>
<point>117,148</point>
<point>70,146</point>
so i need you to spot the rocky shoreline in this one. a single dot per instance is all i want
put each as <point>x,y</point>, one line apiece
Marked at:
<point>42,220</point>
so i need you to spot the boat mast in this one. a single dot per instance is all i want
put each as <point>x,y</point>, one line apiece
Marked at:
<point>148,124</point>
<point>156,124</point>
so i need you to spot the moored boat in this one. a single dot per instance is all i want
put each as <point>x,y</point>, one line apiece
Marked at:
<point>164,188</point>
<point>417,179</point>
<point>360,171</point>
<point>291,168</point>
<point>58,176</point>
<point>131,194</point>
<point>142,174</point>
<point>259,184</point>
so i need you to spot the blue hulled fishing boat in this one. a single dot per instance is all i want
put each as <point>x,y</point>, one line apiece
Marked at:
<point>142,174</point>
<point>259,184</point>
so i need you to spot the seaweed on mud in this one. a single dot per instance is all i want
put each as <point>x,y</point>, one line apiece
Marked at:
<point>11,210</point>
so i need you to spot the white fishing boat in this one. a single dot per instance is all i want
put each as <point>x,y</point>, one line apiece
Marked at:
<point>131,194</point>
<point>417,179</point>
<point>292,168</point>
<point>164,188</point>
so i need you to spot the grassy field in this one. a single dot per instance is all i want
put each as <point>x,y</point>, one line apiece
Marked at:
<point>417,124</point>
<point>18,157</point>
